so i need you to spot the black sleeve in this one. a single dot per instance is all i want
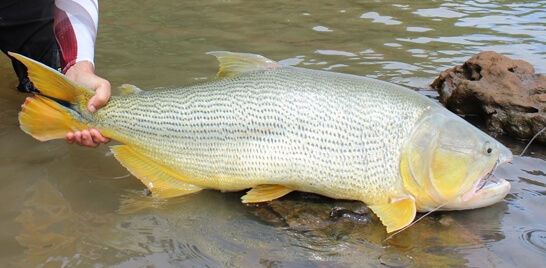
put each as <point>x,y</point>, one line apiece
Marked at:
<point>26,27</point>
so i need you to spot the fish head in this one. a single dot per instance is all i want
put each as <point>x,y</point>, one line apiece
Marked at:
<point>447,163</point>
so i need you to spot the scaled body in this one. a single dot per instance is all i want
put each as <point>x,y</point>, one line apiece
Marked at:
<point>277,129</point>
<point>333,134</point>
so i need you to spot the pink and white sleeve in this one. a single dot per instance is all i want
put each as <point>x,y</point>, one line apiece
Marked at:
<point>76,23</point>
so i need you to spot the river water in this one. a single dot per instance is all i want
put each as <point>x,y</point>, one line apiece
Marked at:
<point>63,205</point>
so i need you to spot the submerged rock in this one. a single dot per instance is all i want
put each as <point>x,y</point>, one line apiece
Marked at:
<point>506,93</point>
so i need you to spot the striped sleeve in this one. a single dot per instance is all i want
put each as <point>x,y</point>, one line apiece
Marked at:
<point>76,23</point>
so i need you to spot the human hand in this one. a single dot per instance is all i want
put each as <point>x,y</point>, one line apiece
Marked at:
<point>88,137</point>
<point>84,73</point>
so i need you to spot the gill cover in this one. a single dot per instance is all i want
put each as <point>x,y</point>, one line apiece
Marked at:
<point>445,157</point>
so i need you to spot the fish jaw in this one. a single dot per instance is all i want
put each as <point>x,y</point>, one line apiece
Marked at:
<point>493,191</point>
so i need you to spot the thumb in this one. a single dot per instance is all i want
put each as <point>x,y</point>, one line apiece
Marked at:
<point>101,97</point>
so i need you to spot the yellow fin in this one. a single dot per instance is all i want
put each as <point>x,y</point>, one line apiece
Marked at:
<point>396,215</point>
<point>52,83</point>
<point>127,89</point>
<point>232,63</point>
<point>162,181</point>
<point>265,192</point>
<point>45,119</point>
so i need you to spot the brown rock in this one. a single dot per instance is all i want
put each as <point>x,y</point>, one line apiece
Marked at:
<point>506,93</point>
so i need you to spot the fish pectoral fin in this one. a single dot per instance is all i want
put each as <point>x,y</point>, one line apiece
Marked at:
<point>127,89</point>
<point>232,63</point>
<point>162,181</point>
<point>265,192</point>
<point>397,214</point>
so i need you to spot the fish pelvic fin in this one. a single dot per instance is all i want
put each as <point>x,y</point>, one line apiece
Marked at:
<point>397,214</point>
<point>45,119</point>
<point>265,192</point>
<point>53,84</point>
<point>162,181</point>
<point>232,63</point>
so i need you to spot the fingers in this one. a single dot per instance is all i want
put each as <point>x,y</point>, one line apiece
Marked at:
<point>84,73</point>
<point>89,138</point>
<point>97,136</point>
<point>81,138</point>
<point>102,94</point>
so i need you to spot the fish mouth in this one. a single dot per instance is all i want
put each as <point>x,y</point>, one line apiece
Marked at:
<point>485,192</point>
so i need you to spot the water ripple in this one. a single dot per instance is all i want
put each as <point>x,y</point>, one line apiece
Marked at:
<point>395,260</point>
<point>536,238</point>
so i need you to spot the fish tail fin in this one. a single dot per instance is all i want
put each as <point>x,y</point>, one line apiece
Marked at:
<point>61,106</point>
<point>45,119</point>
<point>53,84</point>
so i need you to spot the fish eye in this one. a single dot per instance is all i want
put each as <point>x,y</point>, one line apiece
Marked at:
<point>488,149</point>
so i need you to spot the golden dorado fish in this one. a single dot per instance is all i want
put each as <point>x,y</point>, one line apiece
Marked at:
<point>277,129</point>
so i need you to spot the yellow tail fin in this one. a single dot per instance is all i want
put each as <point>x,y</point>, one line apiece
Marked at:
<point>52,83</point>
<point>43,117</point>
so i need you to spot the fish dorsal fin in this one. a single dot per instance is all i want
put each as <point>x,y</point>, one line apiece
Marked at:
<point>397,214</point>
<point>127,89</point>
<point>232,63</point>
<point>265,192</point>
<point>157,178</point>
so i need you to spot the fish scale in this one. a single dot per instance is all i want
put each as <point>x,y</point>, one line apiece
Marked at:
<point>266,128</point>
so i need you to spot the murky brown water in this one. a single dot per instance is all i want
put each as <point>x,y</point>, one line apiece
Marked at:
<point>67,206</point>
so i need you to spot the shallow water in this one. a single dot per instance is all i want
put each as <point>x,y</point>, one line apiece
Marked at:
<point>67,206</point>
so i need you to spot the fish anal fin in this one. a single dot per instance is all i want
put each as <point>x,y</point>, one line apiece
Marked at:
<point>265,192</point>
<point>127,89</point>
<point>45,119</point>
<point>397,214</point>
<point>162,181</point>
<point>232,63</point>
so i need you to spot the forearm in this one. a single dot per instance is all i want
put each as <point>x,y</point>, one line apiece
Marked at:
<point>76,23</point>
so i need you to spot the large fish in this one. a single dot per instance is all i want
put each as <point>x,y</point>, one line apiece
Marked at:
<point>278,129</point>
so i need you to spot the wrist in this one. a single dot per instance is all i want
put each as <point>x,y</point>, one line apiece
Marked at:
<point>82,67</point>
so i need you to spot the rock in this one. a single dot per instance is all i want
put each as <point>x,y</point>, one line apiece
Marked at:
<point>506,93</point>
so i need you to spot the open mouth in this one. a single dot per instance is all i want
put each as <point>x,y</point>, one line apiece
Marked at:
<point>487,181</point>
<point>483,182</point>
<point>486,191</point>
